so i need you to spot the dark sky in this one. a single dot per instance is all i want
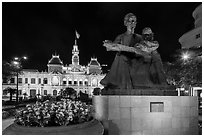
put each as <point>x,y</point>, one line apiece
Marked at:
<point>38,30</point>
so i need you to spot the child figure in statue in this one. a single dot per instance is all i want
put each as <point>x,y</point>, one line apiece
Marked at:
<point>150,46</point>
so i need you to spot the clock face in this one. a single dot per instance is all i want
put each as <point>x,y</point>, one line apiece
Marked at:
<point>94,82</point>
<point>75,59</point>
<point>55,80</point>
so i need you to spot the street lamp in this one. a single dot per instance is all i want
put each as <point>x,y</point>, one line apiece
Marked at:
<point>17,64</point>
<point>185,56</point>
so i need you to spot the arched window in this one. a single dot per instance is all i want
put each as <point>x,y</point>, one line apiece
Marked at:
<point>45,80</point>
<point>54,92</point>
<point>45,92</point>
<point>32,93</point>
<point>75,82</point>
<point>64,81</point>
<point>80,83</point>
<point>86,82</point>
<point>70,82</point>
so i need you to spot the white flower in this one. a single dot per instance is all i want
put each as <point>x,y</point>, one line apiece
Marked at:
<point>61,113</point>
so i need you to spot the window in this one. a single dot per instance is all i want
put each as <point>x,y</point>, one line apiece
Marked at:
<point>54,92</point>
<point>32,93</point>
<point>156,106</point>
<point>45,92</point>
<point>26,80</point>
<point>75,82</point>
<point>39,80</point>
<point>32,80</point>
<point>197,36</point>
<point>64,82</point>
<point>5,92</point>
<point>19,92</point>
<point>86,83</point>
<point>12,80</point>
<point>20,80</point>
<point>70,82</point>
<point>80,83</point>
<point>4,80</point>
<point>45,80</point>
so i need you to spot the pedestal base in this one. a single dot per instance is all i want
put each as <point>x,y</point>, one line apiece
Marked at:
<point>147,115</point>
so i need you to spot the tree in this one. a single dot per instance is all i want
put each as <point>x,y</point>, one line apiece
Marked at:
<point>7,70</point>
<point>68,92</point>
<point>96,91</point>
<point>11,69</point>
<point>184,74</point>
<point>11,91</point>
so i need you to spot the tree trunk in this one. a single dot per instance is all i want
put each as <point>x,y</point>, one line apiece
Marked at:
<point>10,96</point>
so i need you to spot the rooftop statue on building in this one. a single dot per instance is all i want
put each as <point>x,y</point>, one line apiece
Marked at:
<point>137,64</point>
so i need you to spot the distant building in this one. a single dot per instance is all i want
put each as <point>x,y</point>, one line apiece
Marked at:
<point>193,38</point>
<point>59,76</point>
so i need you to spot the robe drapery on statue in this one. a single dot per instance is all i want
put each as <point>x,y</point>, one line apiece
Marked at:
<point>130,70</point>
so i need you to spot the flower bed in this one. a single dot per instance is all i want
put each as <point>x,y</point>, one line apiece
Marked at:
<point>47,114</point>
<point>65,117</point>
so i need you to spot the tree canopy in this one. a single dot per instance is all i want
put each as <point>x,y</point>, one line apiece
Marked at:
<point>184,74</point>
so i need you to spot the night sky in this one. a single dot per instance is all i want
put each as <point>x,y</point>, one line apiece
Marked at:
<point>38,30</point>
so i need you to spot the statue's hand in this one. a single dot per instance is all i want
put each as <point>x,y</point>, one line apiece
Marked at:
<point>107,41</point>
<point>111,46</point>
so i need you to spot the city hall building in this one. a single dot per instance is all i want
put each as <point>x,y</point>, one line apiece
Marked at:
<point>58,77</point>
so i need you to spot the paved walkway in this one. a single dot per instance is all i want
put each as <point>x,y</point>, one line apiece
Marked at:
<point>7,122</point>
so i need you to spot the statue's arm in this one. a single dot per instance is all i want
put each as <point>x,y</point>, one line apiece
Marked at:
<point>152,45</point>
<point>112,46</point>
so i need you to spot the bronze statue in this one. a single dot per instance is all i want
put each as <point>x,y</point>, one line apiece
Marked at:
<point>137,64</point>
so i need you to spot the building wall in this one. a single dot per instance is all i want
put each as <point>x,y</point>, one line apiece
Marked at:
<point>192,38</point>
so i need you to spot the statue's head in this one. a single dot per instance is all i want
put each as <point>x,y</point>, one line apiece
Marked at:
<point>147,34</point>
<point>130,20</point>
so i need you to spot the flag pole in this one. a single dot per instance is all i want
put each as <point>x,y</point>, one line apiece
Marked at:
<point>75,40</point>
<point>76,36</point>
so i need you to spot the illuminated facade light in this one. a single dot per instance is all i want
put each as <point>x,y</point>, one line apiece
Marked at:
<point>16,58</point>
<point>24,57</point>
<point>15,62</point>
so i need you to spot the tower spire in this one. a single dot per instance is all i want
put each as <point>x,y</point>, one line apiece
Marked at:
<point>75,51</point>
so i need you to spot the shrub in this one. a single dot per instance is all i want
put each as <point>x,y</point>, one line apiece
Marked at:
<point>49,113</point>
<point>5,114</point>
<point>6,103</point>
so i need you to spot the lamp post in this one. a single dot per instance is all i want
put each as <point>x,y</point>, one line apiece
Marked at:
<point>17,64</point>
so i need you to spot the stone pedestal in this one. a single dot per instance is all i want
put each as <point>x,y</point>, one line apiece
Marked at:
<point>147,115</point>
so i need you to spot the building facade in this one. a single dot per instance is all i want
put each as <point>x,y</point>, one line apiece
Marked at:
<point>193,38</point>
<point>58,77</point>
